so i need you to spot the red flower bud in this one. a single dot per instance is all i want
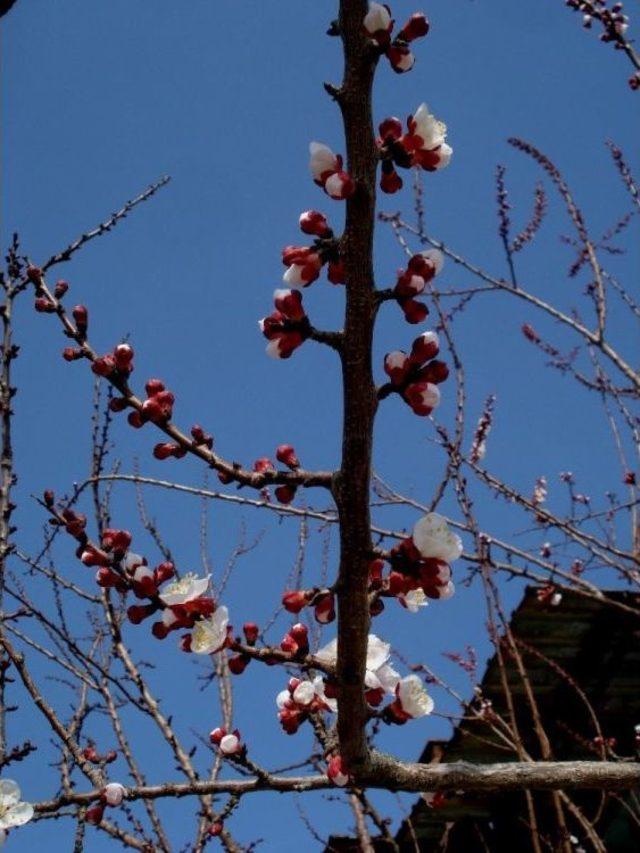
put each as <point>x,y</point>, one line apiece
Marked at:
<point>295,600</point>
<point>285,494</point>
<point>104,365</point>
<point>71,353</point>
<point>94,814</point>
<point>123,355</point>
<point>34,274</point>
<point>313,222</point>
<point>238,664</point>
<point>416,27</point>
<point>287,455</point>
<point>154,386</point>
<point>81,316</point>
<point>164,572</point>
<point>251,632</point>
<point>117,404</point>
<point>263,466</point>
<point>216,735</point>
<point>44,306</point>
<point>215,829</point>
<point>135,419</point>
<point>60,289</point>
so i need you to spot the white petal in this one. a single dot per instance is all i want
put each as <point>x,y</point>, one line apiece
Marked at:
<point>415,599</point>
<point>114,793</point>
<point>293,276</point>
<point>188,588</point>
<point>388,678</point>
<point>332,704</point>
<point>333,186</point>
<point>428,128</point>
<point>282,698</point>
<point>209,634</point>
<point>435,256</point>
<point>305,693</point>
<point>433,538</point>
<point>328,654</point>
<point>322,159</point>
<point>413,698</point>
<point>377,652</point>
<point>445,152</point>
<point>9,793</point>
<point>229,744</point>
<point>16,815</point>
<point>273,348</point>
<point>377,18</point>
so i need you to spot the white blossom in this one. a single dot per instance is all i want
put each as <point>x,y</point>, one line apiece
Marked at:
<point>413,698</point>
<point>433,538</point>
<point>13,812</point>
<point>209,634</point>
<point>188,588</point>
<point>379,674</point>
<point>322,160</point>
<point>431,131</point>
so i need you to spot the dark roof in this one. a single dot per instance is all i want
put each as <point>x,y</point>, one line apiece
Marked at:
<point>597,647</point>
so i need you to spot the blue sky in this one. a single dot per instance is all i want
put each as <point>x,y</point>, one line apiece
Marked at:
<point>100,99</point>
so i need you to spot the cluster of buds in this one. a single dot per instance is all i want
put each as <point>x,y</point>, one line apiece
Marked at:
<point>304,263</point>
<point>42,303</point>
<point>298,702</point>
<point>420,566</point>
<point>90,754</point>
<point>285,454</point>
<point>378,25</point>
<point>416,376</point>
<point>322,601</point>
<point>296,641</point>
<point>327,172</point>
<point>239,662</point>
<point>111,795</point>
<point>288,326</point>
<point>229,743</point>
<point>422,145</point>
<point>157,407</point>
<point>116,365</point>
<point>613,22</point>
<point>411,282</point>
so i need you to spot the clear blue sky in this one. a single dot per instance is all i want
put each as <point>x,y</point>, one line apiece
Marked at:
<point>100,99</point>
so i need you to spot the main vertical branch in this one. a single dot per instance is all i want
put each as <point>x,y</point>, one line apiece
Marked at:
<point>352,485</point>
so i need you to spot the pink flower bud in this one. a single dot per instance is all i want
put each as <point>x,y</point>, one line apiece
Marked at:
<point>81,316</point>
<point>285,494</point>
<point>123,355</point>
<point>114,793</point>
<point>230,744</point>
<point>215,829</point>
<point>153,387</point>
<point>71,354</point>
<point>339,186</point>
<point>251,632</point>
<point>286,454</point>
<point>337,771</point>
<point>295,600</point>
<point>423,397</point>
<point>425,347</point>
<point>400,58</point>
<point>414,312</point>
<point>104,365</point>
<point>60,289</point>
<point>313,222</point>
<point>324,610</point>
<point>216,735</point>
<point>94,815</point>
<point>416,27</point>
<point>396,366</point>
<point>263,466</point>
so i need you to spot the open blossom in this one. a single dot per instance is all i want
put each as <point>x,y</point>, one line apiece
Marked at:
<point>413,600</point>
<point>210,634</point>
<point>378,25</point>
<point>13,812</point>
<point>380,677</point>
<point>412,701</point>
<point>327,172</point>
<point>424,145</point>
<point>288,326</point>
<point>432,538</point>
<point>186,589</point>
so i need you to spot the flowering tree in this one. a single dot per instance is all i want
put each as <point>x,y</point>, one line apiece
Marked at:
<point>343,690</point>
